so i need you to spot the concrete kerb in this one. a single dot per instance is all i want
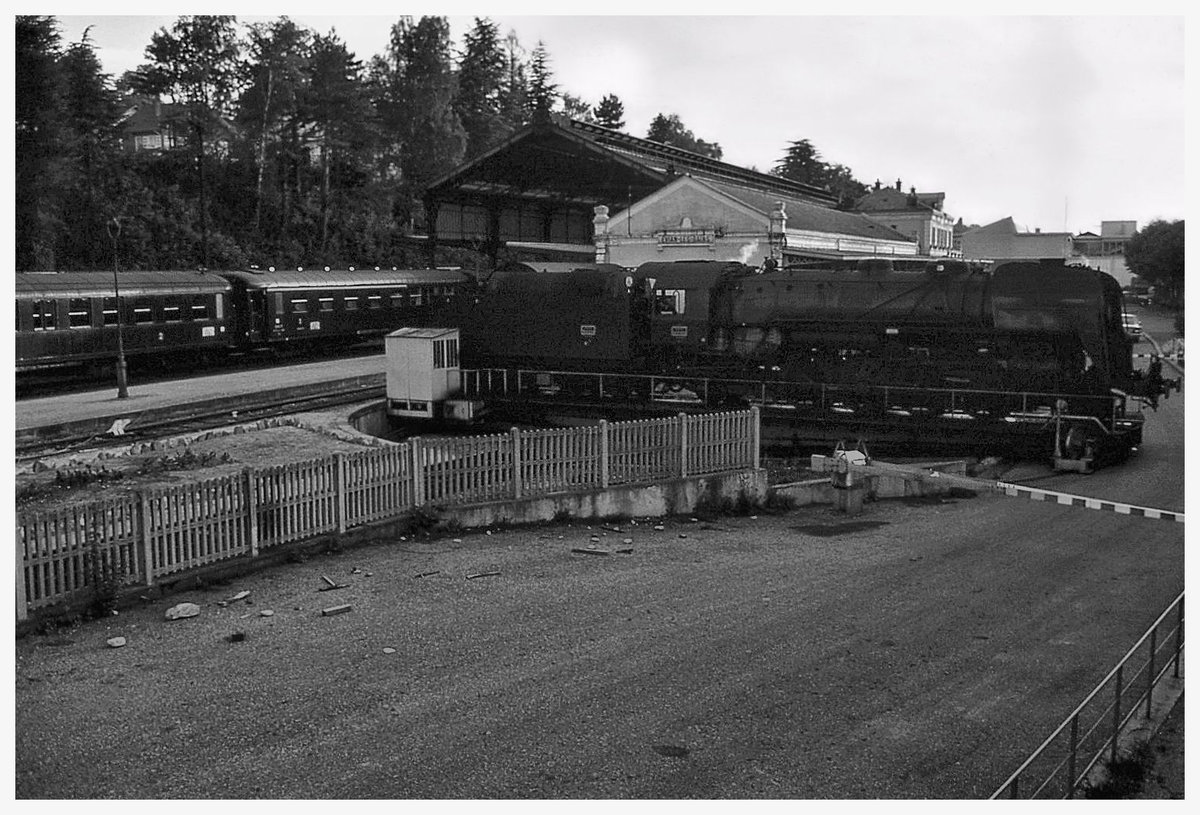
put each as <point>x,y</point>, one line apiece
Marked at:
<point>822,491</point>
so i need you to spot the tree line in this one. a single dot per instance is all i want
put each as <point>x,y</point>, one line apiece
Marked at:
<point>288,148</point>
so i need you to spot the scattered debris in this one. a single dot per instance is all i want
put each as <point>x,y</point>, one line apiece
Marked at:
<point>389,650</point>
<point>428,574</point>
<point>671,750</point>
<point>458,540</point>
<point>482,574</point>
<point>327,580</point>
<point>590,551</point>
<point>329,612</point>
<point>266,612</point>
<point>236,636</point>
<point>183,611</point>
<point>625,550</point>
<point>330,585</point>
<point>355,570</point>
<point>682,535</point>
<point>116,642</point>
<point>659,528</point>
<point>241,595</point>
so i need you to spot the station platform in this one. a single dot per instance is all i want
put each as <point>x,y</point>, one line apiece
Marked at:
<point>76,415</point>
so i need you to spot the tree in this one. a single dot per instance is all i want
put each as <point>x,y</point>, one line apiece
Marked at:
<point>610,113</point>
<point>39,139</point>
<point>415,92</point>
<point>670,130</point>
<point>1156,254</point>
<point>91,152</point>
<point>275,78</point>
<point>802,163</point>
<point>543,91</point>
<point>481,74</point>
<point>195,63</point>
<point>576,108</point>
<point>336,109</point>
<point>516,83</point>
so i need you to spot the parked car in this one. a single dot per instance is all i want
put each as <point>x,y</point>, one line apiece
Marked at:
<point>1133,327</point>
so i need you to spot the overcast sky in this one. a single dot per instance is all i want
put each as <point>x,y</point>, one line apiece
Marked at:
<point>1060,122</point>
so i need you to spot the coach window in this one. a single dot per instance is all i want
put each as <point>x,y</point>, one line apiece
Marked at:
<point>110,311</point>
<point>351,304</point>
<point>172,313</point>
<point>79,312</point>
<point>415,297</point>
<point>397,301</point>
<point>669,301</point>
<point>299,305</point>
<point>374,301</point>
<point>325,303</point>
<point>143,312</point>
<point>200,309</point>
<point>43,315</point>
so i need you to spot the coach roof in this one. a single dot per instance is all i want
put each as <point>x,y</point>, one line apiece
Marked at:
<point>344,278</point>
<point>36,285</point>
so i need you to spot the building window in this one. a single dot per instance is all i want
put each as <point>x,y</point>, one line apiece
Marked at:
<point>445,353</point>
<point>79,312</point>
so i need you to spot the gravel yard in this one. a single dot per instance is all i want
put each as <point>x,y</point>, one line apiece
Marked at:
<point>799,655</point>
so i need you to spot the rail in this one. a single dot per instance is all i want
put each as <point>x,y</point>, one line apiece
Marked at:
<point>1060,766</point>
<point>166,531</point>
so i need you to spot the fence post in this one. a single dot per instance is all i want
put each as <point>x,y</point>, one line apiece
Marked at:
<point>1071,756</point>
<point>1150,673</point>
<point>683,445</point>
<point>603,454</point>
<point>339,490</point>
<point>1178,640</point>
<point>22,598</point>
<point>147,539</point>
<point>516,455</point>
<point>1116,717</point>
<point>756,435</point>
<point>251,511</point>
<point>418,472</point>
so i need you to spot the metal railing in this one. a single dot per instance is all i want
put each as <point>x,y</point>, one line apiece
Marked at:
<point>1060,766</point>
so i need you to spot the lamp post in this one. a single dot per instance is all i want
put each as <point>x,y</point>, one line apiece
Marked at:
<point>114,231</point>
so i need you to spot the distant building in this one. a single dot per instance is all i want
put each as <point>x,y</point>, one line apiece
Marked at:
<point>152,125</point>
<point>1106,251</point>
<point>1002,240</point>
<point>918,215</point>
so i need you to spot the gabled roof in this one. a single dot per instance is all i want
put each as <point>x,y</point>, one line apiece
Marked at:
<point>576,162</point>
<point>806,215</point>
<point>890,199</point>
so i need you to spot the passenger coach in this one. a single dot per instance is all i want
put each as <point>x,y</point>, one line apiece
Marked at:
<point>70,318</point>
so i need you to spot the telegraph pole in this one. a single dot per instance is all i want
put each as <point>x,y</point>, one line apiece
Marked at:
<point>114,232</point>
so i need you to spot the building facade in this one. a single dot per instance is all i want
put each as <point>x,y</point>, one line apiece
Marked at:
<point>1106,251</point>
<point>919,215</point>
<point>1002,240</point>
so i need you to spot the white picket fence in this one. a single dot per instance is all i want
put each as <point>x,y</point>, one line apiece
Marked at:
<point>166,531</point>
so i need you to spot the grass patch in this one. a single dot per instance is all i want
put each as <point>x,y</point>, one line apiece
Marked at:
<point>1125,775</point>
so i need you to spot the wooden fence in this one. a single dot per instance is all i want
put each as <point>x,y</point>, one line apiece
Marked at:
<point>166,531</point>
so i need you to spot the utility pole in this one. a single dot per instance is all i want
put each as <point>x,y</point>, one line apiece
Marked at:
<point>114,232</point>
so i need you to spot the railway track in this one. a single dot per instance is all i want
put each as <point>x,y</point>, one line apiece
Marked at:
<point>157,424</point>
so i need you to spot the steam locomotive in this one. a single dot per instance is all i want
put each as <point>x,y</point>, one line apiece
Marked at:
<point>1023,326</point>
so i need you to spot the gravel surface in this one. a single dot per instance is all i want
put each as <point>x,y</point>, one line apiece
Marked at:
<point>914,652</point>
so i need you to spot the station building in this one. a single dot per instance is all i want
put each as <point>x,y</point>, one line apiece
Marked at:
<point>570,190</point>
<point>919,215</point>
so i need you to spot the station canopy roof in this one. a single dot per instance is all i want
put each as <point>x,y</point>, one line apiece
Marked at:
<point>563,161</point>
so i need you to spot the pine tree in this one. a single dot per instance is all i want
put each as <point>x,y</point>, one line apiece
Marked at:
<point>481,75</point>
<point>576,108</point>
<point>670,130</point>
<point>610,113</point>
<point>543,91</point>
<point>39,139</point>
<point>802,163</point>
